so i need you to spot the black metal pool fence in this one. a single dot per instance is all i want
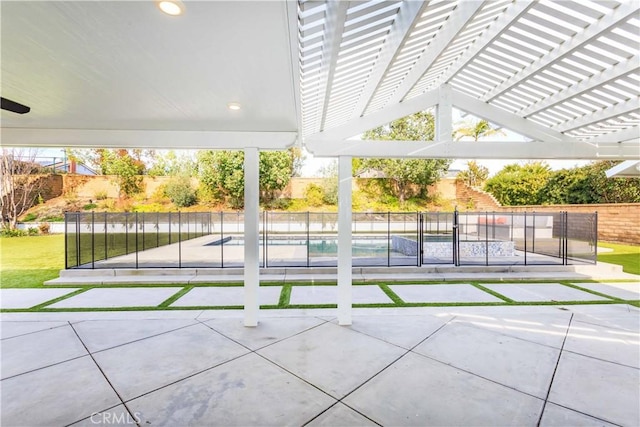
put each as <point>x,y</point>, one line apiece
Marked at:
<point>309,239</point>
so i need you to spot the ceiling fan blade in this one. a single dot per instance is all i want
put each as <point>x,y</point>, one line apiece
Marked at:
<point>13,106</point>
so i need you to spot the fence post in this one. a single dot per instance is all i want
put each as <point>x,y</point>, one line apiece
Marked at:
<point>265,238</point>
<point>525,237</point>
<point>93,240</point>
<point>169,227</point>
<point>221,239</point>
<point>137,240</point>
<point>78,260</point>
<point>66,243</point>
<point>486,235</point>
<point>179,239</point>
<point>308,239</point>
<point>456,239</point>
<point>388,239</point>
<point>595,237</point>
<point>106,243</point>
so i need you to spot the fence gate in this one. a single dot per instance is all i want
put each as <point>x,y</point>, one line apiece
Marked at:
<point>437,241</point>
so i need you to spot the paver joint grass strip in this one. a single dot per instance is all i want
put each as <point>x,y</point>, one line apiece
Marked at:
<point>61,298</point>
<point>285,296</point>
<point>173,298</point>
<point>392,295</point>
<point>600,294</point>
<point>491,292</point>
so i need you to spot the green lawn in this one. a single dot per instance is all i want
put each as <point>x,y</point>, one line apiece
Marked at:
<point>26,262</point>
<point>627,256</point>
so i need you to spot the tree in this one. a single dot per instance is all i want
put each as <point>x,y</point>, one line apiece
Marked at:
<point>520,185</point>
<point>403,176</point>
<point>297,160</point>
<point>222,174</point>
<point>475,175</point>
<point>476,130</point>
<point>21,185</point>
<point>568,186</point>
<point>126,169</point>
<point>173,164</point>
<point>611,190</point>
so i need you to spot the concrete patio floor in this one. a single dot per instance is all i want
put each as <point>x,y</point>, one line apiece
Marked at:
<point>527,365</point>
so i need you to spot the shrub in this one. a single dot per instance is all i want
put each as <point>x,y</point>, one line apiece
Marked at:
<point>100,195</point>
<point>89,206</point>
<point>180,191</point>
<point>32,231</point>
<point>314,195</point>
<point>44,228</point>
<point>30,217</point>
<point>8,232</point>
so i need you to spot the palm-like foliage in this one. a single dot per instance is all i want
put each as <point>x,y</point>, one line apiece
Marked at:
<point>477,130</point>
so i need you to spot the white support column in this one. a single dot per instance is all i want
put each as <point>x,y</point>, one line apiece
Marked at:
<point>444,114</point>
<point>251,237</point>
<point>344,240</point>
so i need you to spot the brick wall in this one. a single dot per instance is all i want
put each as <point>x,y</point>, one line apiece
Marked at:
<point>616,222</point>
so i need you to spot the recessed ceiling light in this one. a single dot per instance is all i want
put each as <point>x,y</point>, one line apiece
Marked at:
<point>235,106</point>
<point>171,7</point>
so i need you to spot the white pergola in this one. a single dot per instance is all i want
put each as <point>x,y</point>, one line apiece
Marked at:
<point>564,74</point>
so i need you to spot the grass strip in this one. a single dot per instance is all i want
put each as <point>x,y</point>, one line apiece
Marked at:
<point>491,292</point>
<point>392,295</point>
<point>62,298</point>
<point>589,291</point>
<point>173,298</point>
<point>285,296</point>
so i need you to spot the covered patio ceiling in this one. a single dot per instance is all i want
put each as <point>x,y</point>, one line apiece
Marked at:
<point>564,74</point>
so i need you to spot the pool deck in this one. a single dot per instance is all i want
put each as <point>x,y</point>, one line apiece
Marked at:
<point>68,359</point>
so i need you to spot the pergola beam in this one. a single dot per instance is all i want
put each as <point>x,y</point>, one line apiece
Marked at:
<point>362,124</point>
<point>155,139</point>
<point>625,107</point>
<point>406,20</point>
<point>515,11</point>
<point>622,12</point>
<point>336,15</point>
<point>506,119</point>
<point>477,150</point>
<point>615,72</point>
<point>456,22</point>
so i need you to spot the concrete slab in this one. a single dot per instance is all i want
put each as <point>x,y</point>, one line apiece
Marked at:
<point>626,291</point>
<point>557,416</point>
<point>403,331</point>
<point>541,292</point>
<point>603,342</point>
<point>340,415</point>
<point>269,330</point>
<point>515,363</point>
<point>226,296</point>
<point>442,293</point>
<point>333,358</point>
<point>14,329</point>
<point>100,335</point>
<point>550,329</point>
<point>27,298</point>
<point>58,395</point>
<point>361,294</point>
<point>143,366</point>
<point>117,297</point>
<point>597,388</point>
<point>243,392</point>
<point>44,348</point>
<point>421,391</point>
